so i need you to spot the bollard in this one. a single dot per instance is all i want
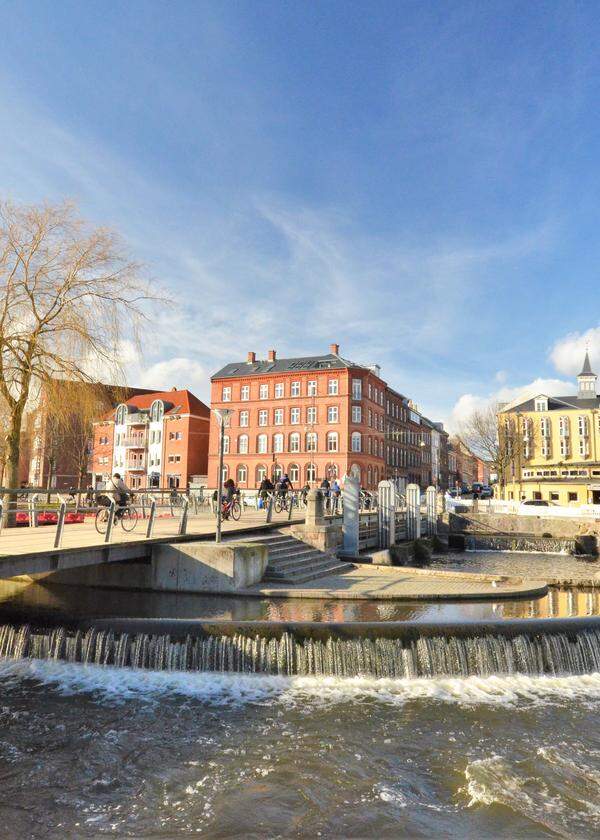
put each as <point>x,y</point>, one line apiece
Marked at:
<point>270,507</point>
<point>60,525</point>
<point>184,516</point>
<point>109,524</point>
<point>386,513</point>
<point>32,512</point>
<point>150,526</point>
<point>290,505</point>
<point>431,508</point>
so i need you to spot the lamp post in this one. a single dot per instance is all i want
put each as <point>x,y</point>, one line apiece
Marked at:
<point>223,417</point>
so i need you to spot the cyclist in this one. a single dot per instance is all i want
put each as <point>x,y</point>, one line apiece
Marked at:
<point>228,496</point>
<point>284,485</point>
<point>266,487</point>
<point>120,493</point>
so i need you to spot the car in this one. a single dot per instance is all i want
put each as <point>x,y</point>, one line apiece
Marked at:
<point>486,492</point>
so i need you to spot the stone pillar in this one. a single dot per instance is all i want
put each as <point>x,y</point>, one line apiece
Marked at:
<point>431,507</point>
<point>351,517</point>
<point>386,511</point>
<point>413,512</point>
<point>315,513</point>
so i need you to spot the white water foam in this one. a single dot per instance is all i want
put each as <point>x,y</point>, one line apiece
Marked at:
<point>123,684</point>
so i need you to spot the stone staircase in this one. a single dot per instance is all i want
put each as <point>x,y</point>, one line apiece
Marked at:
<point>293,561</point>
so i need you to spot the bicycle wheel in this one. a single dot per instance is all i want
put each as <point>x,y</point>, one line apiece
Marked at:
<point>129,519</point>
<point>236,510</point>
<point>102,520</point>
<point>278,505</point>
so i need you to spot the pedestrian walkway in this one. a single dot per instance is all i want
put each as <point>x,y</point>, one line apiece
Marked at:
<point>380,583</point>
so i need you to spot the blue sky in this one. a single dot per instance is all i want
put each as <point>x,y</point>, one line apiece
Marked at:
<point>416,181</point>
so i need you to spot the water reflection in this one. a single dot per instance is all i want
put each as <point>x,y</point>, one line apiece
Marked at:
<point>25,602</point>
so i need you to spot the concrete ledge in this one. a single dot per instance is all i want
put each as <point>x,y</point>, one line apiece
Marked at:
<point>208,567</point>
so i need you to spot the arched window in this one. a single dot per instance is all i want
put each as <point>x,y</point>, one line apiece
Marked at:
<point>261,473</point>
<point>356,442</point>
<point>278,442</point>
<point>243,444</point>
<point>376,476</point>
<point>157,409</point>
<point>355,471</point>
<point>331,471</point>
<point>294,473</point>
<point>369,477</point>
<point>311,441</point>
<point>295,442</point>
<point>311,472</point>
<point>242,474</point>
<point>277,472</point>
<point>225,472</point>
<point>120,415</point>
<point>332,441</point>
<point>226,445</point>
<point>261,444</point>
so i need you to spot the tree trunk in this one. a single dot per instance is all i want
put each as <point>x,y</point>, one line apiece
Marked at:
<point>11,467</point>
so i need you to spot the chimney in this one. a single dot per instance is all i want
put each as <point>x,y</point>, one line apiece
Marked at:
<point>251,357</point>
<point>272,355</point>
<point>334,349</point>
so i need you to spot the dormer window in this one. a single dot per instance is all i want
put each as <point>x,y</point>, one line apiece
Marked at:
<point>541,403</point>
<point>157,409</point>
<point>120,415</point>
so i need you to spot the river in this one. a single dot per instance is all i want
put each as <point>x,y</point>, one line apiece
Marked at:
<point>92,751</point>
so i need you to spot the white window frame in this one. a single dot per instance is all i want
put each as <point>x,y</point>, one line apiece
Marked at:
<point>278,417</point>
<point>333,414</point>
<point>226,393</point>
<point>262,444</point>
<point>332,442</point>
<point>333,387</point>
<point>245,393</point>
<point>357,414</point>
<point>311,388</point>
<point>311,414</point>
<point>357,389</point>
<point>312,442</point>
<point>242,474</point>
<point>279,390</point>
<point>278,443</point>
<point>263,391</point>
<point>295,389</point>
<point>295,416</point>
<point>295,442</point>
<point>243,445</point>
<point>356,442</point>
<point>244,419</point>
<point>263,417</point>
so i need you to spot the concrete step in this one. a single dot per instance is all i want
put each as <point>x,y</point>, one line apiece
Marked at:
<point>275,557</point>
<point>292,562</point>
<point>323,570</point>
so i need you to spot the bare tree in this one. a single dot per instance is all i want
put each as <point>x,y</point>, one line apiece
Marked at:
<point>68,292</point>
<point>492,436</point>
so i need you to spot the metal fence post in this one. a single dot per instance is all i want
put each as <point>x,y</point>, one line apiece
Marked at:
<point>109,524</point>
<point>150,526</point>
<point>60,525</point>
<point>290,506</point>
<point>270,507</point>
<point>31,502</point>
<point>184,516</point>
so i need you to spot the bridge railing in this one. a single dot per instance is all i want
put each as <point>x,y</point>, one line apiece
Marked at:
<point>38,519</point>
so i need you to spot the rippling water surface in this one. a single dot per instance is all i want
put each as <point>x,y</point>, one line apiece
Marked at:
<point>92,751</point>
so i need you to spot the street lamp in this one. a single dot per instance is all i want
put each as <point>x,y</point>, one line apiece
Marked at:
<point>223,418</point>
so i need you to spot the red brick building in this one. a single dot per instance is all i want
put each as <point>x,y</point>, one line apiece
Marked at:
<point>311,417</point>
<point>154,440</point>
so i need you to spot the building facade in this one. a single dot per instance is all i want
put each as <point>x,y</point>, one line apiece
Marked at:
<point>557,445</point>
<point>154,440</point>
<point>314,417</point>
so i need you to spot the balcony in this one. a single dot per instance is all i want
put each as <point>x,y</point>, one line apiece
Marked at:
<point>137,419</point>
<point>135,442</point>
<point>137,465</point>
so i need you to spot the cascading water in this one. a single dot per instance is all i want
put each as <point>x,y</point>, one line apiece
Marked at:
<point>520,543</point>
<point>425,656</point>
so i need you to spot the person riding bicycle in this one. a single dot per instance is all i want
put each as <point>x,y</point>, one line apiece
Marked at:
<point>304,493</point>
<point>284,485</point>
<point>120,494</point>
<point>266,487</point>
<point>228,496</point>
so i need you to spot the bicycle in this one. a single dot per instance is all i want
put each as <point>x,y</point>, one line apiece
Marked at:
<point>282,503</point>
<point>231,509</point>
<point>128,518</point>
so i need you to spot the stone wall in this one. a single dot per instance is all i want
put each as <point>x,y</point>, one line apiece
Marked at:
<point>506,523</point>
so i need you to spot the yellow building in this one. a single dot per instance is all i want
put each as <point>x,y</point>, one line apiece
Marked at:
<point>556,445</point>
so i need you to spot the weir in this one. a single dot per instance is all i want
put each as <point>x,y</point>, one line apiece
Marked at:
<point>394,650</point>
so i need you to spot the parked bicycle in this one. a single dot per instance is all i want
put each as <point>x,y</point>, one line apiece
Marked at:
<point>127,515</point>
